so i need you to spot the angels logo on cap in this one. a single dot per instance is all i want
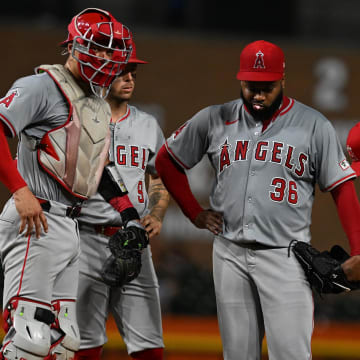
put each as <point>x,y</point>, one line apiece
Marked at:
<point>261,61</point>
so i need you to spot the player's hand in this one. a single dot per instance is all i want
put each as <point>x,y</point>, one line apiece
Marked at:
<point>152,225</point>
<point>351,268</point>
<point>30,212</point>
<point>211,220</point>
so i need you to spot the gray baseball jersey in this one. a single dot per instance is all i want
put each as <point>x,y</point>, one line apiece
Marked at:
<point>34,106</point>
<point>136,138</point>
<point>264,179</point>
<point>38,269</point>
<point>265,183</point>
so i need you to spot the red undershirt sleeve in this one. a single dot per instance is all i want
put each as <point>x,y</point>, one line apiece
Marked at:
<point>348,209</point>
<point>176,182</point>
<point>9,174</point>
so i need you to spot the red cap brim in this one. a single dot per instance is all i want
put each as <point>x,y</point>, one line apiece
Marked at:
<point>137,61</point>
<point>355,165</point>
<point>258,76</point>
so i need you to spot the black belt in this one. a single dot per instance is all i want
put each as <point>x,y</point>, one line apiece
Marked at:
<point>69,211</point>
<point>258,246</point>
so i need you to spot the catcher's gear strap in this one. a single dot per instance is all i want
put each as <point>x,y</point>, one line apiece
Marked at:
<point>31,331</point>
<point>66,319</point>
<point>348,209</point>
<point>176,182</point>
<point>9,174</point>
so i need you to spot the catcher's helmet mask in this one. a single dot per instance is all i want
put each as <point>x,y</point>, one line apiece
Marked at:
<point>95,28</point>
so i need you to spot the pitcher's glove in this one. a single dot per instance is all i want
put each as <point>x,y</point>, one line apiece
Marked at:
<point>323,269</point>
<point>126,246</point>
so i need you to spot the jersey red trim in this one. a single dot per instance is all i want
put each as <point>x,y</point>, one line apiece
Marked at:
<point>24,264</point>
<point>331,187</point>
<point>283,109</point>
<point>174,156</point>
<point>124,116</point>
<point>8,124</point>
<point>287,108</point>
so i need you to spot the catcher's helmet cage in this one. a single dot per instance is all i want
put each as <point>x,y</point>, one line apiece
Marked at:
<point>95,30</point>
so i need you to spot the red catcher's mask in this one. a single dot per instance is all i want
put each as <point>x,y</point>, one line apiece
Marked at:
<point>95,31</point>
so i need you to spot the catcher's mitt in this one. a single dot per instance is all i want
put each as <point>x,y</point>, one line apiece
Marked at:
<point>124,264</point>
<point>131,237</point>
<point>118,271</point>
<point>323,269</point>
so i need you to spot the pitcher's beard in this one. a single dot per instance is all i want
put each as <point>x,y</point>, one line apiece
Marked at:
<point>267,112</point>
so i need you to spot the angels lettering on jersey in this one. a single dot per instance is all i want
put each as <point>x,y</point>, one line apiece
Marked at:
<point>133,156</point>
<point>8,99</point>
<point>271,151</point>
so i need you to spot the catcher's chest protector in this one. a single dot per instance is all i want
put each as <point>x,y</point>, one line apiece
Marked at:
<point>75,153</point>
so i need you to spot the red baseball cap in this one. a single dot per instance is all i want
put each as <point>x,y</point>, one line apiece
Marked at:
<point>133,59</point>
<point>353,147</point>
<point>261,61</point>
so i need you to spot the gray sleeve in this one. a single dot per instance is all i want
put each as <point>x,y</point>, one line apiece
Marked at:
<point>23,103</point>
<point>331,166</point>
<point>158,141</point>
<point>188,144</point>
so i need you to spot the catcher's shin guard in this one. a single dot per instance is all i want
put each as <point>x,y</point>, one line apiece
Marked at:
<point>28,336</point>
<point>65,337</point>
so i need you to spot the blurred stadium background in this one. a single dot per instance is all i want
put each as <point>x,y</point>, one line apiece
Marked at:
<point>193,48</point>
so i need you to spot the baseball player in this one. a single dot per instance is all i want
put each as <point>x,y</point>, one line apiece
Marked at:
<point>352,266</point>
<point>267,151</point>
<point>61,119</point>
<point>135,139</point>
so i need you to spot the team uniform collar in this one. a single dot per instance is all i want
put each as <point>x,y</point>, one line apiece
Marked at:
<point>123,117</point>
<point>285,106</point>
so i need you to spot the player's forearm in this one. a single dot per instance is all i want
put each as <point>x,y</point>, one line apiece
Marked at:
<point>176,182</point>
<point>158,198</point>
<point>348,208</point>
<point>112,189</point>
<point>9,174</point>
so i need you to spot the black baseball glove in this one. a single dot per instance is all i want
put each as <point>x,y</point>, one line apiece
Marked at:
<point>323,269</point>
<point>118,271</point>
<point>124,264</point>
<point>132,237</point>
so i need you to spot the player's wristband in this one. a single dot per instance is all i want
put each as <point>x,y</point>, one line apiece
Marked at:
<point>126,209</point>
